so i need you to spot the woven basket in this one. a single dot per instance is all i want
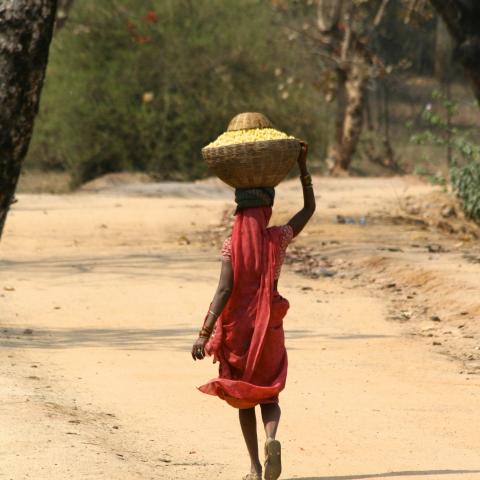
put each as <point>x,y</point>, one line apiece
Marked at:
<point>248,120</point>
<point>252,164</point>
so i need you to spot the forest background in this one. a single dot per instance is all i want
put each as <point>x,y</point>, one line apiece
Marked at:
<point>143,86</point>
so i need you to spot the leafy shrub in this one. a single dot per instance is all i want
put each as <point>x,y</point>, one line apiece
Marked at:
<point>464,165</point>
<point>135,85</point>
<point>466,184</point>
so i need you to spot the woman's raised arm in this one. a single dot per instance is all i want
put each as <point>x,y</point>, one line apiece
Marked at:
<point>301,218</point>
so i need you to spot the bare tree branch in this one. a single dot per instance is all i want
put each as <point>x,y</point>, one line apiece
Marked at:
<point>347,38</point>
<point>328,14</point>
<point>412,5</point>
<point>380,14</point>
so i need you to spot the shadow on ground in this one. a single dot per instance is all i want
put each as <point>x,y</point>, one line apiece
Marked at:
<point>406,473</point>
<point>126,265</point>
<point>129,338</point>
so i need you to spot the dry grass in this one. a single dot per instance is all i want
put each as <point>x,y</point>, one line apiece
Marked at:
<point>34,181</point>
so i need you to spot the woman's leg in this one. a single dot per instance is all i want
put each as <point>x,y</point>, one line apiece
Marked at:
<point>248,422</point>
<point>271,417</point>
<point>273,460</point>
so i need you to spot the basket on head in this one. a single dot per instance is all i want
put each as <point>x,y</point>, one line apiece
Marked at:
<point>253,164</point>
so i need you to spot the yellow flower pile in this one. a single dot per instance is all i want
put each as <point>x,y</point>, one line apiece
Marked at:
<point>245,136</point>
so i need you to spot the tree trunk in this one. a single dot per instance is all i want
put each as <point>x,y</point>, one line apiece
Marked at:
<point>357,76</point>
<point>355,66</point>
<point>389,160</point>
<point>26,27</point>
<point>443,52</point>
<point>340,109</point>
<point>462,19</point>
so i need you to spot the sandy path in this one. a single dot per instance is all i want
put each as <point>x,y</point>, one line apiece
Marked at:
<point>104,386</point>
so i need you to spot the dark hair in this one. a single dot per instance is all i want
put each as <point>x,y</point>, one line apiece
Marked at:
<point>254,197</point>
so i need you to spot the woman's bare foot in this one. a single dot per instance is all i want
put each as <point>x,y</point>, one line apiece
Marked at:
<point>253,476</point>
<point>256,470</point>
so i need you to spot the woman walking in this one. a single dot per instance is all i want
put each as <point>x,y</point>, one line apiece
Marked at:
<point>243,329</point>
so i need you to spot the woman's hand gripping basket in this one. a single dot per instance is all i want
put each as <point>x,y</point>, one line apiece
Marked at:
<point>251,153</point>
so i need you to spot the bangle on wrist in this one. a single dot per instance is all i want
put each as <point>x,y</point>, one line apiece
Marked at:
<point>306,179</point>
<point>204,333</point>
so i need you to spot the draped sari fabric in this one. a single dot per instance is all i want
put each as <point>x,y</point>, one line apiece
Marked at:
<point>248,341</point>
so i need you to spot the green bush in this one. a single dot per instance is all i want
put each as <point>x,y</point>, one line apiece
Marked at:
<point>464,168</point>
<point>466,184</point>
<point>143,86</point>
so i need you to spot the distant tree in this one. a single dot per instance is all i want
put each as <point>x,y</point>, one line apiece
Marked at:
<point>361,51</point>
<point>462,18</point>
<point>26,27</point>
<point>340,34</point>
<point>348,28</point>
<point>340,40</point>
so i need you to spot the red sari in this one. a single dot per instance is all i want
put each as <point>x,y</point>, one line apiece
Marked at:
<point>249,341</point>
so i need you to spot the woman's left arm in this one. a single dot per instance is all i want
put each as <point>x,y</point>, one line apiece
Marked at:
<point>219,301</point>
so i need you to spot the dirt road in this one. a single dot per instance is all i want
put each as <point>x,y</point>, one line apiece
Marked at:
<point>103,293</point>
